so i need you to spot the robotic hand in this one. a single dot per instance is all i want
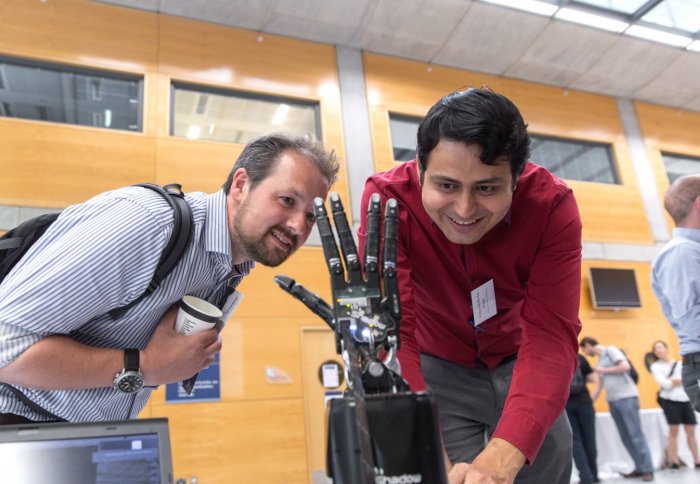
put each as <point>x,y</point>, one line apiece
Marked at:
<point>365,314</point>
<point>378,431</point>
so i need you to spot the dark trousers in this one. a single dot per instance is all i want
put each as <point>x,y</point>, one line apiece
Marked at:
<point>691,375</point>
<point>470,402</point>
<point>582,419</point>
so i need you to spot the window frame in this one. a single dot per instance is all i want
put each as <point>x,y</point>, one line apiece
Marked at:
<point>609,148</point>
<point>64,68</point>
<point>238,93</point>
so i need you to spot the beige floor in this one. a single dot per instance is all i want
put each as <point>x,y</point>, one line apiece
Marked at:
<point>680,476</point>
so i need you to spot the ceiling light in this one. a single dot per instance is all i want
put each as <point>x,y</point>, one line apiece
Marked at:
<point>659,36</point>
<point>592,20</point>
<point>280,114</point>
<point>533,6</point>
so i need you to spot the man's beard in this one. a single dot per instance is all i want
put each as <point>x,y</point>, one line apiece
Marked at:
<point>256,248</point>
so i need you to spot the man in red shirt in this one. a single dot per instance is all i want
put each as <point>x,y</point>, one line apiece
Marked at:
<point>489,263</point>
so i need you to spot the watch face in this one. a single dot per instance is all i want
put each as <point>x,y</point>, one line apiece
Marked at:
<point>130,382</point>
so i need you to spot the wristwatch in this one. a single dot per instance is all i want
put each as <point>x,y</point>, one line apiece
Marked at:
<point>130,379</point>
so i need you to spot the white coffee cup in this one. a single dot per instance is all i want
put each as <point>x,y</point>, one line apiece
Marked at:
<point>196,315</point>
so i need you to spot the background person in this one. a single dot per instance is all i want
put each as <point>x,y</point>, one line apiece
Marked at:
<point>675,278</point>
<point>674,402</point>
<point>623,399</point>
<point>581,413</point>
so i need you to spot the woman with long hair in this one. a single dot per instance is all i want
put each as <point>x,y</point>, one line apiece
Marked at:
<point>674,402</point>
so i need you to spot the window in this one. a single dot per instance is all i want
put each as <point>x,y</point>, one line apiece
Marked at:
<point>66,94</point>
<point>573,159</point>
<point>403,136</point>
<point>236,117</point>
<point>679,165</point>
<point>677,14</point>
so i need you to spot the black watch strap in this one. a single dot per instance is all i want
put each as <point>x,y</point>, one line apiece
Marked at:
<point>131,359</point>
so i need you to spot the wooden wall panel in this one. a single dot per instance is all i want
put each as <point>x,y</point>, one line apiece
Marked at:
<point>408,87</point>
<point>200,166</point>
<point>54,165</point>
<point>79,32</point>
<point>243,442</point>
<point>318,347</point>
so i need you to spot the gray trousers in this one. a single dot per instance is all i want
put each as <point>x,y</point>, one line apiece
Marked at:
<point>625,414</point>
<point>470,402</point>
<point>691,379</point>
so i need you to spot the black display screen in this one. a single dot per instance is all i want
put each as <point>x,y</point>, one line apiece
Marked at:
<point>613,288</point>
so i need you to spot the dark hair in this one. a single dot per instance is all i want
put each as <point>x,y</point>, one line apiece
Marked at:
<point>477,117</point>
<point>587,340</point>
<point>261,155</point>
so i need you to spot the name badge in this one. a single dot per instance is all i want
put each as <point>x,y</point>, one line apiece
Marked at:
<point>230,306</point>
<point>483,302</point>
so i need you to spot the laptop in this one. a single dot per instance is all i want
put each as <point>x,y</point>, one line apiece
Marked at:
<point>130,451</point>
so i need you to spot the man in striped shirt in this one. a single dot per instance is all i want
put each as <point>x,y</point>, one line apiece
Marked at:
<point>58,346</point>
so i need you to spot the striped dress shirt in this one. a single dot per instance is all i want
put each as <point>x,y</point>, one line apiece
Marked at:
<point>101,255</point>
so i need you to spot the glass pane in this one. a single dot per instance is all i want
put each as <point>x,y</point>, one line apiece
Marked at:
<point>235,117</point>
<point>403,136</point>
<point>679,14</point>
<point>574,160</point>
<point>677,166</point>
<point>623,6</point>
<point>65,94</point>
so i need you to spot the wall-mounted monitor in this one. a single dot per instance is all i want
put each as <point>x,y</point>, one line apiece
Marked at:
<point>613,288</point>
<point>133,451</point>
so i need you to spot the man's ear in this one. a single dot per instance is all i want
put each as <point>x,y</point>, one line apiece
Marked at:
<point>240,185</point>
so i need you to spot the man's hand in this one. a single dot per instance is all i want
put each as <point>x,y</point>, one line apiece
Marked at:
<point>171,357</point>
<point>498,463</point>
<point>457,473</point>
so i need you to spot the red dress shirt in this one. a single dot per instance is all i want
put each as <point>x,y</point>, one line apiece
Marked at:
<point>533,256</point>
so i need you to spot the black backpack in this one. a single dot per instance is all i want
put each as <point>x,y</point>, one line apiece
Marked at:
<point>633,371</point>
<point>15,243</point>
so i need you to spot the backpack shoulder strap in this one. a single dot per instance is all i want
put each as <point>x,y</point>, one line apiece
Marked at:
<point>673,367</point>
<point>15,242</point>
<point>175,248</point>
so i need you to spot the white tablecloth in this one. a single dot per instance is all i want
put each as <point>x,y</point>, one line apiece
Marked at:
<point>613,457</point>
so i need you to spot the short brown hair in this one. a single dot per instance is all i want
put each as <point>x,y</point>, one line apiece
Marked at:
<point>261,155</point>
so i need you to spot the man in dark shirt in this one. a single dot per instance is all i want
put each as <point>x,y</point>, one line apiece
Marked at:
<point>581,414</point>
<point>489,264</point>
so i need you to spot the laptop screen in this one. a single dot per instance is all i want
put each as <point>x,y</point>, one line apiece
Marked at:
<point>133,451</point>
